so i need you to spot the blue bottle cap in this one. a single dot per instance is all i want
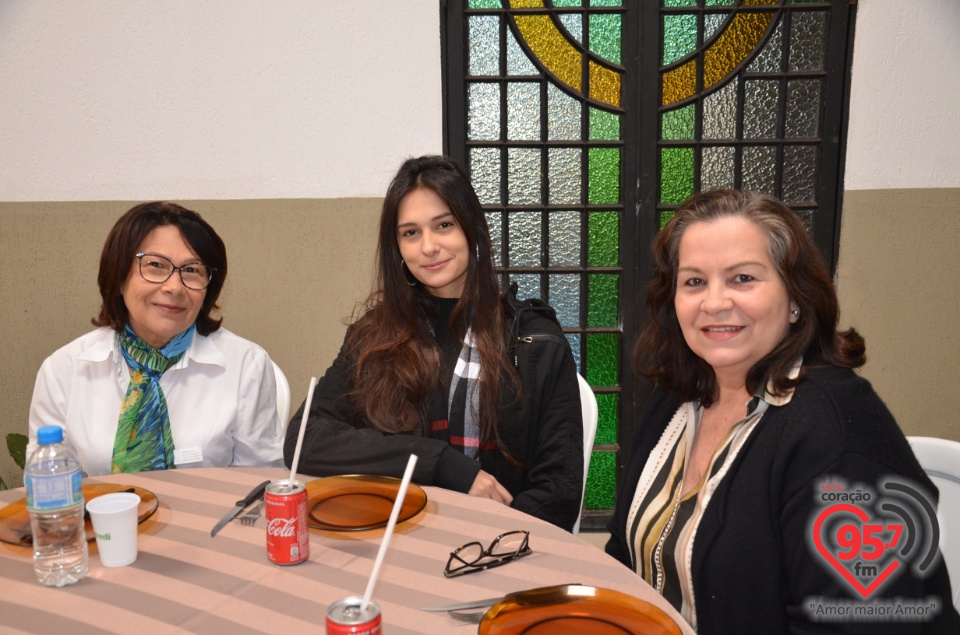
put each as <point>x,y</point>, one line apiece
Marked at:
<point>49,434</point>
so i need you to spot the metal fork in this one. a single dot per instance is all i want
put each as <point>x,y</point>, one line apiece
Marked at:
<point>249,518</point>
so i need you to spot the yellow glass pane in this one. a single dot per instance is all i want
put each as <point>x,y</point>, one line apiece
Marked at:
<point>680,83</point>
<point>604,84</point>
<point>721,57</point>
<point>526,4</point>
<point>552,49</point>
<point>733,46</point>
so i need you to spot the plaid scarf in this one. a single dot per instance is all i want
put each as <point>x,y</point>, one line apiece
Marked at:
<point>144,441</point>
<point>464,388</point>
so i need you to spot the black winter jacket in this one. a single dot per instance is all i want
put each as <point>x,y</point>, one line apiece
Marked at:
<point>543,431</point>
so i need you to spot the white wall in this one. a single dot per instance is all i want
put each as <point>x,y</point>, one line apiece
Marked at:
<point>904,130</point>
<point>239,99</point>
<point>136,100</point>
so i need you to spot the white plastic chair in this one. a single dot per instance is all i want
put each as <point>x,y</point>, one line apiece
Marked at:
<point>588,410</point>
<point>283,396</point>
<point>940,459</point>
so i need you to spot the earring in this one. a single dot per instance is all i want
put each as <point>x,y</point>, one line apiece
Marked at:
<point>795,313</point>
<point>409,275</point>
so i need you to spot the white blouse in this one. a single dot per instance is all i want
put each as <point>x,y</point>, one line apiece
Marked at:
<point>221,397</point>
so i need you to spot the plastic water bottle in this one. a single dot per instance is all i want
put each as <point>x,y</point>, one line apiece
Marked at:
<point>55,503</point>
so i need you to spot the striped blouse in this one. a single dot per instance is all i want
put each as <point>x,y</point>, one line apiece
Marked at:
<point>661,525</point>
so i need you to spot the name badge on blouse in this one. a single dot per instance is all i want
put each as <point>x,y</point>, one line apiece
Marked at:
<point>187,455</point>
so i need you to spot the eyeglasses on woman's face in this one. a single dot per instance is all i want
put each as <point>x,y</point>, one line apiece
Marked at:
<point>472,557</point>
<point>158,269</point>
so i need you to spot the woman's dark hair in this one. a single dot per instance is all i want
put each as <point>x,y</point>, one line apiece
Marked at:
<point>662,354</point>
<point>119,257</point>
<point>398,360</point>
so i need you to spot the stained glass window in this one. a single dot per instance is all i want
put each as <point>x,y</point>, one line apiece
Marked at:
<point>585,123</point>
<point>754,77</point>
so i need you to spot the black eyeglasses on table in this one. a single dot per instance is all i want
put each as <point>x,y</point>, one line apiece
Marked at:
<point>472,557</point>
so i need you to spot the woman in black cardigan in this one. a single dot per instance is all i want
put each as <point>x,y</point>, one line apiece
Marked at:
<point>762,462</point>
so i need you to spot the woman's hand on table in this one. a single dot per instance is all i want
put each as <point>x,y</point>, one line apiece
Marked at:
<point>485,486</point>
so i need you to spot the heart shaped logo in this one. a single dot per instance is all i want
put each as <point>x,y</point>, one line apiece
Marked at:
<point>851,538</point>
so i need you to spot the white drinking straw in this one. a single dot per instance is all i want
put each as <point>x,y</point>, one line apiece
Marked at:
<point>303,427</point>
<point>397,504</point>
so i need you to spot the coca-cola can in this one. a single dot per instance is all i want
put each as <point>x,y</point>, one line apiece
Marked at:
<point>288,538</point>
<point>345,618</point>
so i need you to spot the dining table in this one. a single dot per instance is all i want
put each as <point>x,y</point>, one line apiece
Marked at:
<point>186,581</point>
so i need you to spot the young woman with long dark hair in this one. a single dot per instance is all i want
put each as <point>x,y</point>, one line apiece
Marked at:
<point>441,364</point>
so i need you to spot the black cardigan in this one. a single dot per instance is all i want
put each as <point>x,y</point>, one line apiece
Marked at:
<point>752,569</point>
<point>543,431</point>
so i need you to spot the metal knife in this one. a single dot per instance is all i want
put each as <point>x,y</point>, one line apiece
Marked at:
<point>255,493</point>
<point>483,604</point>
<point>462,606</point>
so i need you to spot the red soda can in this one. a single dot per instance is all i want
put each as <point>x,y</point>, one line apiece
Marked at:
<point>288,539</point>
<point>345,618</point>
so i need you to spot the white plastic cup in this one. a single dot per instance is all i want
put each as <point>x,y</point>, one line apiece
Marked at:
<point>115,521</point>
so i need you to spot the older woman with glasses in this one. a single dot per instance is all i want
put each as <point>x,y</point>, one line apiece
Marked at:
<point>160,384</point>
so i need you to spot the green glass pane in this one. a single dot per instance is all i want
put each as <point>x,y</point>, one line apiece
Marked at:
<point>679,37</point>
<point>678,124</point>
<point>567,3</point>
<point>604,247</point>
<point>604,126</point>
<point>604,176</point>
<point>665,218</point>
<point>606,3</point>
<point>720,3</point>
<point>484,4</point>
<point>607,421</point>
<point>603,359</point>
<point>605,36</point>
<point>601,481</point>
<point>604,292</point>
<point>679,3</point>
<point>676,175</point>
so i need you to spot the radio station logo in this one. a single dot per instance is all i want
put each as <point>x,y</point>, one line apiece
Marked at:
<point>867,538</point>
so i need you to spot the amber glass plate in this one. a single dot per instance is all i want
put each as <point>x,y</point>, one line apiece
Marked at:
<point>572,608</point>
<point>15,520</point>
<point>355,502</point>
